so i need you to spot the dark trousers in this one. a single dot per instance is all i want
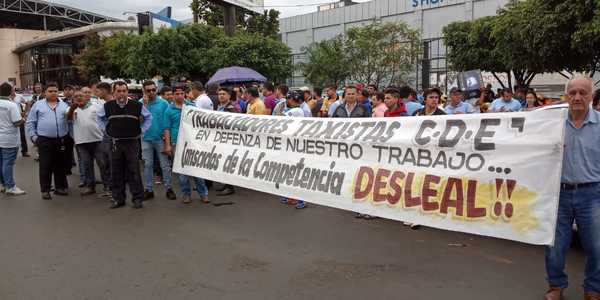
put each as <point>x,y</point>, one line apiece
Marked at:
<point>125,169</point>
<point>105,149</point>
<point>23,139</point>
<point>89,152</point>
<point>69,153</point>
<point>52,162</point>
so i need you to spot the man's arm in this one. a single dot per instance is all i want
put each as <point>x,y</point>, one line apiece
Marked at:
<point>31,124</point>
<point>146,119</point>
<point>101,118</point>
<point>15,115</point>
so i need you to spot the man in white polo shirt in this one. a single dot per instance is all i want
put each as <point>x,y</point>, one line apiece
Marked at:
<point>87,135</point>
<point>10,120</point>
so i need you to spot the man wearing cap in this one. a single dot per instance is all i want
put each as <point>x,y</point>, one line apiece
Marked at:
<point>506,103</point>
<point>579,193</point>
<point>457,105</point>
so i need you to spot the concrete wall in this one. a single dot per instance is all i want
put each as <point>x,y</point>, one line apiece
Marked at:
<point>9,61</point>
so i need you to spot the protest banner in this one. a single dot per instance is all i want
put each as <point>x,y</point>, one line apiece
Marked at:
<point>489,174</point>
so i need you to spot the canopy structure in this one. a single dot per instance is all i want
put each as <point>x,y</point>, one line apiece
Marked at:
<point>236,75</point>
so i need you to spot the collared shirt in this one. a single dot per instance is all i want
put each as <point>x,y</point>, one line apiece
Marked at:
<point>510,106</point>
<point>462,107</point>
<point>173,118</point>
<point>46,121</point>
<point>145,114</point>
<point>411,106</point>
<point>157,108</point>
<point>204,102</point>
<point>581,157</point>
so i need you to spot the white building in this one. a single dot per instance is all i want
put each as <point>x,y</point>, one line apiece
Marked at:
<point>429,16</point>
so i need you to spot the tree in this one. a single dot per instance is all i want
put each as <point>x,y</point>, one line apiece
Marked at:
<point>527,38</point>
<point>92,61</point>
<point>266,24</point>
<point>326,63</point>
<point>381,52</point>
<point>471,46</point>
<point>196,7</point>
<point>194,51</point>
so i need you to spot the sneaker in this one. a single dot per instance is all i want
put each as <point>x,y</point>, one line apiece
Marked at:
<point>2,189</point>
<point>301,205</point>
<point>283,200</point>
<point>148,195</point>
<point>88,191</point>
<point>15,191</point>
<point>171,195</point>
<point>187,200</point>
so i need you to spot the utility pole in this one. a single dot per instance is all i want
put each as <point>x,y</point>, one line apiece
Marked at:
<point>230,19</point>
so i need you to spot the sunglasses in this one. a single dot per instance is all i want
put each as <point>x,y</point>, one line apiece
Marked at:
<point>150,90</point>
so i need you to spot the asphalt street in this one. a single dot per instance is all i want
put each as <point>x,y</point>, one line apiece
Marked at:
<point>76,248</point>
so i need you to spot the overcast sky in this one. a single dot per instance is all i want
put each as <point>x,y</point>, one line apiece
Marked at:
<point>181,11</point>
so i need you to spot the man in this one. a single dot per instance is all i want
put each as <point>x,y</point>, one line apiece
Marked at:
<point>166,92</point>
<point>201,98</point>
<point>306,96</point>
<point>239,101</point>
<point>365,100</point>
<point>38,94</point>
<point>270,98</point>
<point>226,105</point>
<point>22,104</point>
<point>330,103</point>
<point>124,122</point>
<point>351,108</point>
<point>409,100</point>
<point>47,127</point>
<point>282,91</point>
<point>372,89</point>
<point>506,103</point>
<point>394,103</point>
<point>521,96</point>
<point>87,136</point>
<point>255,105</point>
<point>579,193</point>
<point>10,121</point>
<point>172,120</point>
<point>431,100</point>
<point>104,93</point>
<point>154,140</point>
<point>457,106</point>
<point>316,102</point>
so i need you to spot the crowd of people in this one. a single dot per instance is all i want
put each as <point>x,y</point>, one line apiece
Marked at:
<point>108,128</point>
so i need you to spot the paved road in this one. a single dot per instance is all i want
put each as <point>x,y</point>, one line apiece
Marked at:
<point>76,248</point>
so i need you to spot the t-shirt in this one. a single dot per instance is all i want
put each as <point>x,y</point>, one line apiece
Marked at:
<point>172,120</point>
<point>511,106</point>
<point>462,107</point>
<point>270,102</point>
<point>379,111</point>
<point>257,107</point>
<point>306,109</point>
<point>85,126</point>
<point>9,114</point>
<point>204,102</point>
<point>295,112</point>
<point>412,107</point>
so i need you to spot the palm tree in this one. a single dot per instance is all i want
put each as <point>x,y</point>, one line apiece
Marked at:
<point>195,6</point>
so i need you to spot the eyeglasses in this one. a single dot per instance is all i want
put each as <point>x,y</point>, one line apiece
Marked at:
<point>150,90</point>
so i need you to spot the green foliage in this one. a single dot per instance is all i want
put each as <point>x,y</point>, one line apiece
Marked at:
<point>528,38</point>
<point>379,53</point>
<point>210,13</point>
<point>326,63</point>
<point>193,51</point>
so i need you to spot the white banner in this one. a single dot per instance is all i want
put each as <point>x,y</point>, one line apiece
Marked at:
<point>490,174</point>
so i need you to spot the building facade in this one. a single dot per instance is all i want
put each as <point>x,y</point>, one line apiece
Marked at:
<point>428,16</point>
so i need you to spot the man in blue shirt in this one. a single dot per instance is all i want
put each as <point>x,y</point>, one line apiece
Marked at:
<point>457,105</point>
<point>579,193</point>
<point>154,141</point>
<point>506,103</point>
<point>411,105</point>
<point>47,127</point>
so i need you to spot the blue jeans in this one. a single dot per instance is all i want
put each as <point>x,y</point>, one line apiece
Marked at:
<point>583,206</point>
<point>7,161</point>
<point>148,148</point>
<point>186,189</point>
